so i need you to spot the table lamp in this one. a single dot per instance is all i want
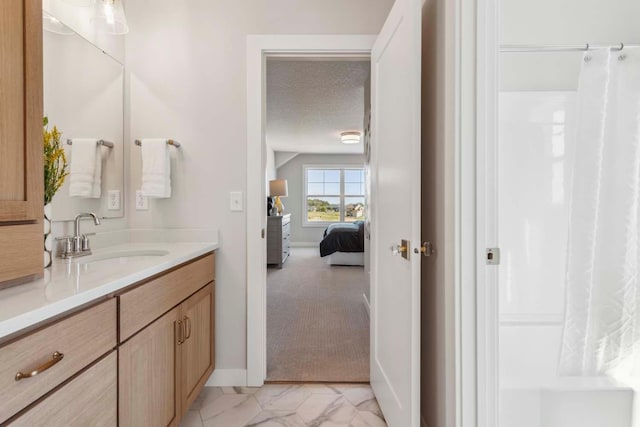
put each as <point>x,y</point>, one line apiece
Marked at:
<point>278,188</point>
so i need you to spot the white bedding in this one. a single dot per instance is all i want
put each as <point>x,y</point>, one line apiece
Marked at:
<point>346,258</point>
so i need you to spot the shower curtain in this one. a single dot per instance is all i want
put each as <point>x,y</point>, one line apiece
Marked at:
<point>602,316</point>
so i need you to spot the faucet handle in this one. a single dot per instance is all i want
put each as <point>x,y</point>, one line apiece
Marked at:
<point>85,241</point>
<point>67,244</point>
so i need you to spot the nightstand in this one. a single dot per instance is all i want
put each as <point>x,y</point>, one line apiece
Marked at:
<point>278,239</point>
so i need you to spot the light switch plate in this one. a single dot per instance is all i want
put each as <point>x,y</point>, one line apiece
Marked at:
<point>113,200</point>
<point>142,202</point>
<point>235,201</point>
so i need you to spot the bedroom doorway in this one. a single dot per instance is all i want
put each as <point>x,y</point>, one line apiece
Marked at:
<point>317,293</point>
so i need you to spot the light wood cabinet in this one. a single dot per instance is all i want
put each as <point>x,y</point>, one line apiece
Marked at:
<point>78,339</point>
<point>75,371</point>
<point>21,164</point>
<point>89,400</point>
<point>147,371</point>
<point>164,366</point>
<point>197,351</point>
<point>140,306</point>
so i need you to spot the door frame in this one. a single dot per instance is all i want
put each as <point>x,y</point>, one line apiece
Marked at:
<point>473,30</point>
<point>486,212</point>
<point>259,47</point>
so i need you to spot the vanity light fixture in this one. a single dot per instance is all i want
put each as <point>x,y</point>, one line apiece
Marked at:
<point>109,17</point>
<point>350,137</point>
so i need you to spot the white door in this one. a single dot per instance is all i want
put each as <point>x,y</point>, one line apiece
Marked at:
<point>395,214</point>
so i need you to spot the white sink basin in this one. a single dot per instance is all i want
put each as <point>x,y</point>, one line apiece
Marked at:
<point>122,255</point>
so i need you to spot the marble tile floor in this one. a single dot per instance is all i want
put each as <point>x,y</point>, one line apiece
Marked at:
<point>286,405</point>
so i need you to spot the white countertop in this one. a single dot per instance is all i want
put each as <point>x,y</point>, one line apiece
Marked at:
<point>70,284</point>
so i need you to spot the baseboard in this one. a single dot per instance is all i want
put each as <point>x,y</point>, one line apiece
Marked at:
<point>366,304</point>
<point>304,244</point>
<point>228,378</point>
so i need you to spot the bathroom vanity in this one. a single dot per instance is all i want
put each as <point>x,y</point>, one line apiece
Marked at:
<point>122,337</point>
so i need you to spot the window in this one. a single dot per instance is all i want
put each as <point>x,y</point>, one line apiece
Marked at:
<point>333,194</point>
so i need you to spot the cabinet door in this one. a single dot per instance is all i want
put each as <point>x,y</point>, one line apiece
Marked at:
<point>147,375</point>
<point>21,173</point>
<point>88,400</point>
<point>197,350</point>
<point>21,169</point>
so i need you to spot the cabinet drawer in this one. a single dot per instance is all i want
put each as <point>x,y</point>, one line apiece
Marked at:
<point>91,399</point>
<point>144,304</point>
<point>80,339</point>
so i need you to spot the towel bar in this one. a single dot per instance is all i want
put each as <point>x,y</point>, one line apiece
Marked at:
<point>100,142</point>
<point>169,142</point>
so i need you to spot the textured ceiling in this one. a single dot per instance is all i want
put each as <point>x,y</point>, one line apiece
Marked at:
<point>310,102</point>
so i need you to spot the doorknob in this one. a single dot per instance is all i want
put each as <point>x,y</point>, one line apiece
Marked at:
<point>402,249</point>
<point>426,249</point>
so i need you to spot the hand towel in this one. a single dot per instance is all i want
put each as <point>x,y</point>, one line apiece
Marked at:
<point>156,169</point>
<point>85,175</point>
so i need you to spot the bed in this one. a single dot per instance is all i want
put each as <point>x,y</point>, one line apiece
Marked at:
<point>343,243</point>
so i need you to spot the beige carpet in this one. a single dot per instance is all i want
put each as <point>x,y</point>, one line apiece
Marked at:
<point>317,324</point>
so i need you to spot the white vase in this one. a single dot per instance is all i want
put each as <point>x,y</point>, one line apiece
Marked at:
<point>48,237</point>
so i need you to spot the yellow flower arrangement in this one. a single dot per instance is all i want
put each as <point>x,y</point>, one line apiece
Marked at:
<point>55,161</point>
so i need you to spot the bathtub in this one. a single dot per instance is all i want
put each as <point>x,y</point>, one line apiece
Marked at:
<point>531,393</point>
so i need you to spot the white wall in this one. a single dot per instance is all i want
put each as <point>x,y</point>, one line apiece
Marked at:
<point>536,143</point>
<point>560,22</point>
<point>292,171</point>
<point>569,21</point>
<point>271,165</point>
<point>187,80</point>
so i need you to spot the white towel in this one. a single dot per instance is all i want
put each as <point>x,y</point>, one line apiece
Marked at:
<point>85,175</point>
<point>156,169</point>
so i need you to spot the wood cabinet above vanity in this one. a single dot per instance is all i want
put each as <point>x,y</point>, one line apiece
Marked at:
<point>137,357</point>
<point>21,163</point>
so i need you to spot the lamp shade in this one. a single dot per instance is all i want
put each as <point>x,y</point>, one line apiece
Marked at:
<point>278,187</point>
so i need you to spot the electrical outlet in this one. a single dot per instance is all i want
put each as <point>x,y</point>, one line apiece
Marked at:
<point>142,202</point>
<point>235,201</point>
<point>113,200</point>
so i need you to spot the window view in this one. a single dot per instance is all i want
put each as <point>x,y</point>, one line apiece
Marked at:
<point>334,195</point>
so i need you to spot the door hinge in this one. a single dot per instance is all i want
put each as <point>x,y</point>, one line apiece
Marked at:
<point>262,233</point>
<point>493,256</point>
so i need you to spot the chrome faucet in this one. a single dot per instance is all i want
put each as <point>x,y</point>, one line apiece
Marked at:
<point>78,244</point>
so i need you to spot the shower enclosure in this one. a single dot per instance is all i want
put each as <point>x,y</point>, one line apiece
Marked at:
<point>567,220</point>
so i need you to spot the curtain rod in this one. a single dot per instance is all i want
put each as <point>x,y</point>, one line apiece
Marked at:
<point>524,48</point>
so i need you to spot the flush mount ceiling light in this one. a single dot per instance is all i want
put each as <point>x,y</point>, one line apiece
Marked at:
<point>109,17</point>
<point>53,25</point>
<point>350,137</point>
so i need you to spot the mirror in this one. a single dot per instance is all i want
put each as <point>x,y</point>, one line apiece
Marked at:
<point>84,98</point>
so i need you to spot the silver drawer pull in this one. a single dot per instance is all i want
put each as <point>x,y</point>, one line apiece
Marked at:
<point>55,358</point>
